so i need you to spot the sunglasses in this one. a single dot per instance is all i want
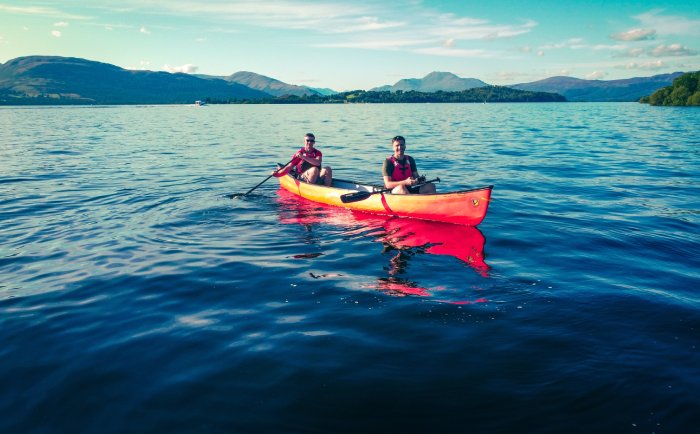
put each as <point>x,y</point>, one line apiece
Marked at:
<point>311,140</point>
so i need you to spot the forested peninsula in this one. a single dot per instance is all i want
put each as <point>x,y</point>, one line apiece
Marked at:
<point>685,91</point>
<point>487,94</point>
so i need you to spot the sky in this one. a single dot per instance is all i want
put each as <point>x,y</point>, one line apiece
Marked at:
<point>357,44</point>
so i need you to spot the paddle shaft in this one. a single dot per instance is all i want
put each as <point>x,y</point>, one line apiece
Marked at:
<point>362,195</point>
<point>264,180</point>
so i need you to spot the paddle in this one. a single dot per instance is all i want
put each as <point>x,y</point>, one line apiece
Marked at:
<point>362,195</point>
<point>231,196</point>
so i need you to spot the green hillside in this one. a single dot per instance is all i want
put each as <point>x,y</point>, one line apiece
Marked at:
<point>685,91</point>
<point>50,80</point>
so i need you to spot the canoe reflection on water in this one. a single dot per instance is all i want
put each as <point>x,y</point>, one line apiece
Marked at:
<point>407,237</point>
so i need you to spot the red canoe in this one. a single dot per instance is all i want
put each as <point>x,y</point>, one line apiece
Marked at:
<point>466,207</point>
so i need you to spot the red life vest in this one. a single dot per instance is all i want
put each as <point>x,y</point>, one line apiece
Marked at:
<point>315,153</point>
<point>401,171</point>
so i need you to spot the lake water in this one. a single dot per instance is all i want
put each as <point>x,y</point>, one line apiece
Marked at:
<point>136,297</point>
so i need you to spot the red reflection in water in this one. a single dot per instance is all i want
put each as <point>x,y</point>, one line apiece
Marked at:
<point>465,243</point>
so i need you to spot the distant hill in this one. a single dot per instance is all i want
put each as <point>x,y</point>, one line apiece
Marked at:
<point>685,91</point>
<point>68,80</point>
<point>433,82</point>
<point>323,91</point>
<point>268,85</point>
<point>575,89</point>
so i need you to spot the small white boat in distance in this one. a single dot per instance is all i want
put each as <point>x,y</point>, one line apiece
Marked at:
<point>200,103</point>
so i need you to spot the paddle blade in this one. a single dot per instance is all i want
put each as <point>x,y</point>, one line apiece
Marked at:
<point>355,197</point>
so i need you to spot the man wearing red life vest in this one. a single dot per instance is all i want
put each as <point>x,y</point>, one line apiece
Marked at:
<point>400,172</point>
<point>307,162</point>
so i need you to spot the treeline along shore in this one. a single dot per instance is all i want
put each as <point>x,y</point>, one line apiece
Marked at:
<point>487,94</point>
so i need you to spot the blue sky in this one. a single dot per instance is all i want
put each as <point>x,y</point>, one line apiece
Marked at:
<point>357,44</point>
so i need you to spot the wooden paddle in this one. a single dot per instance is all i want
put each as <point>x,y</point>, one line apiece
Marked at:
<point>231,196</point>
<point>362,195</point>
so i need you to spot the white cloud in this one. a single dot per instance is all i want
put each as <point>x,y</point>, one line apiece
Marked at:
<point>56,33</point>
<point>572,43</point>
<point>635,35</point>
<point>540,53</point>
<point>145,31</point>
<point>378,44</point>
<point>453,52</point>
<point>526,49</point>
<point>646,66</point>
<point>596,75</point>
<point>672,50</point>
<point>466,28</point>
<point>40,11</point>
<point>61,24</point>
<point>669,24</point>
<point>365,24</point>
<point>631,52</point>
<point>187,69</point>
<point>361,25</point>
<point>601,47</point>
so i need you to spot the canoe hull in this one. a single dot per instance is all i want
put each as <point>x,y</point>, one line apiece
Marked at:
<point>463,207</point>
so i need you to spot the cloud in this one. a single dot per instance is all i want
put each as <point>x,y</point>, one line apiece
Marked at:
<point>143,65</point>
<point>145,31</point>
<point>635,35</point>
<point>672,51</point>
<point>630,52</point>
<point>601,47</point>
<point>360,25</point>
<point>540,53</point>
<point>286,14</point>
<point>453,52</point>
<point>56,33</point>
<point>596,75</point>
<point>61,24</point>
<point>378,44</point>
<point>467,28</point>
<point>40,11</point>
<point>187,69</point>
<point>669,24</point>
<point>572,43</point>
<point>365,24</point>
<point>645,66</point>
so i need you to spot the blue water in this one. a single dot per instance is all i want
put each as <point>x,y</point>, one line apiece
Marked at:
<point>136,297</point>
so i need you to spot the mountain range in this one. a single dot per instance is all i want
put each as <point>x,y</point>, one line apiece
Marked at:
<point>433,82</point>
<point>575,89</point>
<point>265,84</point>
<point>69,80</point>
